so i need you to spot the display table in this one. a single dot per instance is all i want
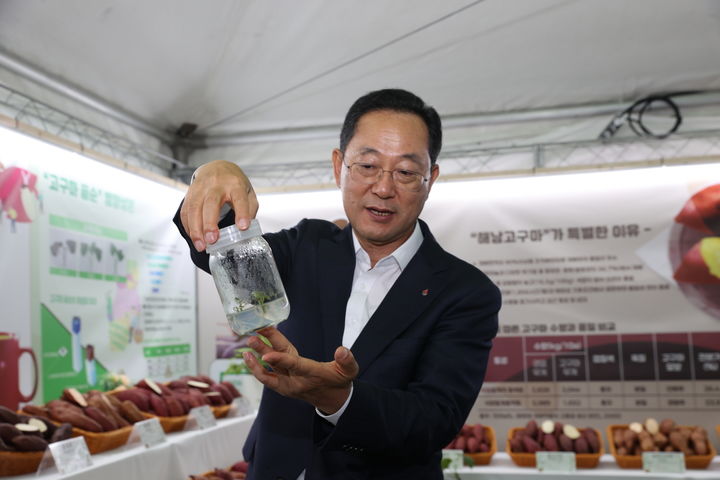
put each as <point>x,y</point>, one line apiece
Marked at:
<point>502,468</point>
<point>183,454</point>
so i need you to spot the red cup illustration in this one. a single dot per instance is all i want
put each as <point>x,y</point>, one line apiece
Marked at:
<point>10,353</point>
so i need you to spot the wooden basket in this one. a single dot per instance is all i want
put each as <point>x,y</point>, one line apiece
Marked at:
<point>635,461</point>
<point>169,424</point>
<point>19,463</point>
<point>483,458</point>
<point>104,441</point>
<point>100,441</point>
<point>582,460</point>
<point>221,411</point>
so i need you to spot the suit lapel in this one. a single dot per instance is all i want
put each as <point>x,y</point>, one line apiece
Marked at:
<point>419,284</point>
<point>336,268</point>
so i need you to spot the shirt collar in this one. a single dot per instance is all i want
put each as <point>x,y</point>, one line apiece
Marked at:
<point>403,254</point>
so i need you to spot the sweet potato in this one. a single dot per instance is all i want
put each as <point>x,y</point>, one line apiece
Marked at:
<point>228,397</point>
<point>472,445</point>
<point>530,445</point>
<point>667,426</point>
<point>679,442</point>
<point>460,443</point>
<point>646,442</point>
<point>618,438</point>
<point>581,445</point>
<point>699,443</point>
<point>50,427</point>
<point>4,447</point>
<point>36,410</point>
<point>159,406</point>
<point>630,439</point>
<point>113,401</point>
<point>140,398</point>
<point>131,412</point>
<point>565,443</point>
<point>222,474</point>
<point>7,415</point>
<point>478,432</point>
<point>29,443</point>
<point>550,443</point>
<point>660,440</point>
<point>571,432</point>
<point>652,426</point>
<point>82,422</point>
<point>103,420</point>
<point>196,399</point>
<point>178,385</point>
<point>174,407</point>
<point>150,385</point>
<point>592,439</point>
<point>205,379</point>
<point>214,398</point>
<point>231,387</point>
<point>71,395</point>
<point>56,406</point>
<point>8,432</point>
<point>63,432</point>
<point>184,399</point>
<point>516,445</point>
<point>531,429</point>
<point>102,403</point>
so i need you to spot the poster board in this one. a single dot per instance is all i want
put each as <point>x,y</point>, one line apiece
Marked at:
<point>96,279</point>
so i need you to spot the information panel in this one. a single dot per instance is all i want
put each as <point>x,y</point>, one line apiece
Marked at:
<point>96,278</point>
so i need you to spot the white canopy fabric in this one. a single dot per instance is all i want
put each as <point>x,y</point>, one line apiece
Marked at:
<point>253,66</point>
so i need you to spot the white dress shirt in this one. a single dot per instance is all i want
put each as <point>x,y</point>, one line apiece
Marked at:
<point>369,287</point>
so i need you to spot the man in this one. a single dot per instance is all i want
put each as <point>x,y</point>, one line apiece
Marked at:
<point>386,346</point>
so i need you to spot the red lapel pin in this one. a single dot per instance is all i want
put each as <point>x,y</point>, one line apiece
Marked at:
<point>425,292</point>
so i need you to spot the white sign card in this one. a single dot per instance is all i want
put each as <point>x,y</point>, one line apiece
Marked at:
<point>663,462</point>
<point>70,455</point>
<point>151,432</point>
<point>555,461</point>
<point>452,459</point>
<point>203,416</point>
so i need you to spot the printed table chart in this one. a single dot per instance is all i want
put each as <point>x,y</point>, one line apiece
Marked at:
<point>604,373</point>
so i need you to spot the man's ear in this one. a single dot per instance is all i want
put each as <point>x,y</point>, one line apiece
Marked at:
<point>434,173</point>
<point>337,159</point>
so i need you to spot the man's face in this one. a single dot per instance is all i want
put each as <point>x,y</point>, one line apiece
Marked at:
<point>383,214</point>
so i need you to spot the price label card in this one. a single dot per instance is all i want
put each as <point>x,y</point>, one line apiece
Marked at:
<point>151,432</point>
<point>203,416</point>
<point>241,407</point>
<point>663,462</point>
<point>70,455</point>
<point>452,459</point>
<point>555,461</point>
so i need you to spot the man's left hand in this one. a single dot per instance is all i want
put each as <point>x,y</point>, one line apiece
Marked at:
<point>326,385</point>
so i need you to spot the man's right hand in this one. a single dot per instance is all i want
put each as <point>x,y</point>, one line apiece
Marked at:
<point>215,184</point>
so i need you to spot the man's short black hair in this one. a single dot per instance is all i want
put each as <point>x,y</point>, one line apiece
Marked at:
<point>399,101</point>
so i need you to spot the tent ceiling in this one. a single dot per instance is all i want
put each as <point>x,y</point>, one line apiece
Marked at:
<point>270,65</point>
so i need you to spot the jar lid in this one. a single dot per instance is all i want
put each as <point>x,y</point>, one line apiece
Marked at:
<point>232,234</point>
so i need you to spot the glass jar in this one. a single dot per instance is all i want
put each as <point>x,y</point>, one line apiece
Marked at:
<point>247,279</point>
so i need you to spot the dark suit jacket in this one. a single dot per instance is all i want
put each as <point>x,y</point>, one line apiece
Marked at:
<point>422,358</point>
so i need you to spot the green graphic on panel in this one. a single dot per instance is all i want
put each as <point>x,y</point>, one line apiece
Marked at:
<point>65,361</point>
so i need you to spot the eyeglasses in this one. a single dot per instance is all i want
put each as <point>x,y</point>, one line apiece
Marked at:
<point>367,173</point>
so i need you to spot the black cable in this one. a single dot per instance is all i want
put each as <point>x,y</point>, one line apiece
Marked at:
<point>633,116</point>
<point>338,67</point>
